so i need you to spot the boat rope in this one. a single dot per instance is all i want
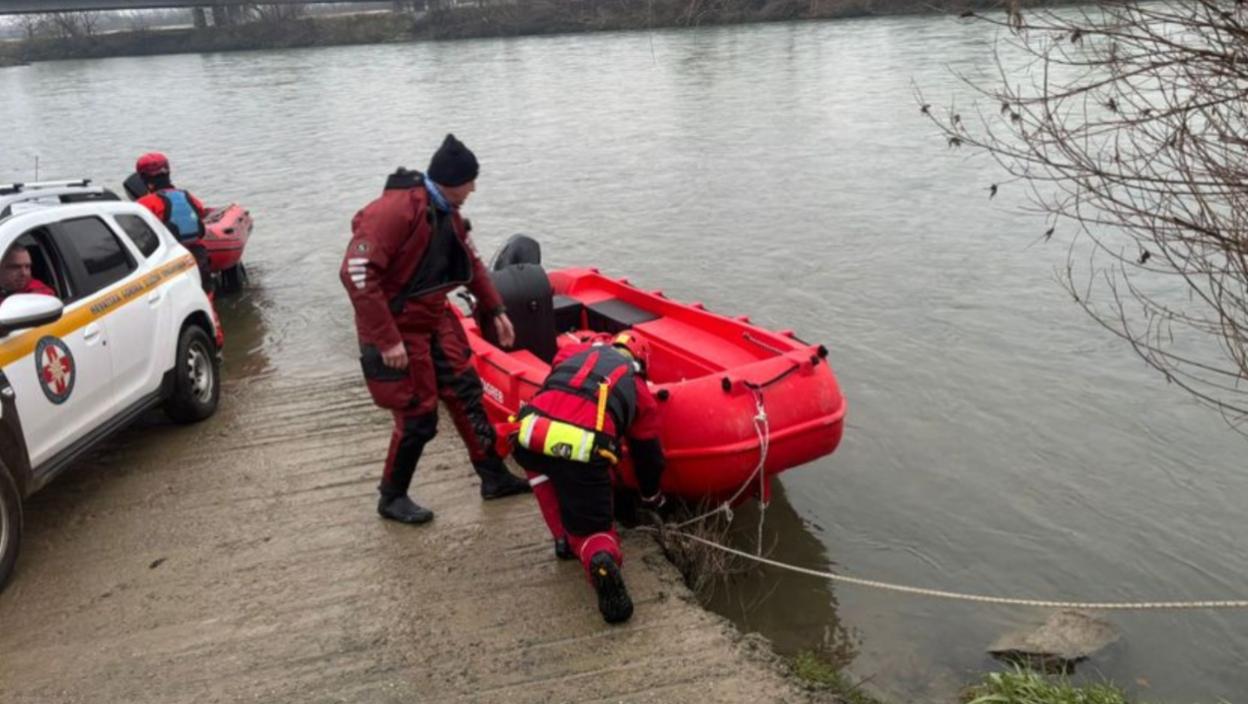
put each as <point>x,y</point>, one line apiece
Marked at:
<point>762,430</point>
<point>760,343</point>
<point>959,596</point>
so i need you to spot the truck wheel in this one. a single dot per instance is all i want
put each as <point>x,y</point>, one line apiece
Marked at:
<point>196,378</point>
<point>10,525</point>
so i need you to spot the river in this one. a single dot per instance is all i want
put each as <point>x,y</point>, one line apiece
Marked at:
<point>997,442</point>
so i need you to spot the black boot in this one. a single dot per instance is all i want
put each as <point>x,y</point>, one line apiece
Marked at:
<point>394,503</point>
<point>563,551</point>
<point>497,482</point>
<point>402,509</point>
<point>613,600</point>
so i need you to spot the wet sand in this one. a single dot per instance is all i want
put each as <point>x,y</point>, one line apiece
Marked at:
<point>242,560</point>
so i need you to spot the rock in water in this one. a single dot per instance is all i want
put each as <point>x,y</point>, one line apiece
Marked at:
<point>1065,639</point>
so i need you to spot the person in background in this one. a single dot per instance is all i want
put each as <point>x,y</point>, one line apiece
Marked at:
<point>408,249</point>
<point>180,211</point>
<point>16,275</point>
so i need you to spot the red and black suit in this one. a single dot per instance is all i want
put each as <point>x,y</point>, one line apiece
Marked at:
<point>405,255</point>
<point>577,500</point>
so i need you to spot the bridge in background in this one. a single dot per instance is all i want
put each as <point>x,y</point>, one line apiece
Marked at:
<point>18,7</point>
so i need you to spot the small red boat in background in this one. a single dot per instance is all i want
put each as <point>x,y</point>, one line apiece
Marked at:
<point>740,403</point>
<point>226,232</point>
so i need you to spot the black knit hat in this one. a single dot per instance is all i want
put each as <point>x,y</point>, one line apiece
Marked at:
<point>453,164</point>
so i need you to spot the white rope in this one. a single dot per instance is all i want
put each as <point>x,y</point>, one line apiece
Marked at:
<point>959,596</point>
<point>762,430</point>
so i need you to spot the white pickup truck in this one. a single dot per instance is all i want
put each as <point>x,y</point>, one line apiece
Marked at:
<point>128,329</point>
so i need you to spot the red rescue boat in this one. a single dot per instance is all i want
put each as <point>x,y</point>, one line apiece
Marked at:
<point>736,398</point>
<point>226,232</point>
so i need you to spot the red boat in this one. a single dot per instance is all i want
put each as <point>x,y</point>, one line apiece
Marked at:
<point>227,230</point>
<point>740,403</point>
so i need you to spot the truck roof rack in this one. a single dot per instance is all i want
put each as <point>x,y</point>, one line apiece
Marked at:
<point>12,188</point>
<point>28,196</point>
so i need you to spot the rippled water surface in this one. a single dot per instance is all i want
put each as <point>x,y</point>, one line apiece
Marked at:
<point>998,442</point>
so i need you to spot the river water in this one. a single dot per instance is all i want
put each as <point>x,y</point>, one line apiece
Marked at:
<point>997,442</point>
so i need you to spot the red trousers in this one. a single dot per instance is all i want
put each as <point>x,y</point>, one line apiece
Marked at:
<point>576,502</point>
<point>439,367</point>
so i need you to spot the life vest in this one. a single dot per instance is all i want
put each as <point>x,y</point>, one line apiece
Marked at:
<point>445,262</point>
<point>604,377</point>
<point>180,216</point>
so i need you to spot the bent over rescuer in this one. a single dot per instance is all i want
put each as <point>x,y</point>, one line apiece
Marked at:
<point>410,247</point>
<point>568,438</point>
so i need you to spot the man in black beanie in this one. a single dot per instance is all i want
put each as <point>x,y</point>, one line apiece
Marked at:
<point>453,165</point>
<point>409,248</point>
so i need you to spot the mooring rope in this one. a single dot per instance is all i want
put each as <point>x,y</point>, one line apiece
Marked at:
<point>959,596</point>
<point>762,430</point>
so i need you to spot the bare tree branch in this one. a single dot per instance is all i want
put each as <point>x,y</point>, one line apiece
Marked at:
<point>1132,127</point>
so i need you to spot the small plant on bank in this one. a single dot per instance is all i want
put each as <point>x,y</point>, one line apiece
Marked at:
<point>1026,687</point>
<point>819,673</point>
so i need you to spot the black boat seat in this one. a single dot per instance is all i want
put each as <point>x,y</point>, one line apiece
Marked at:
<point>614,315</point>
<point>569,314</point>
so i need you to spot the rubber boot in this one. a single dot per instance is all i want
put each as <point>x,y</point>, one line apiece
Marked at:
<point>613,601</point>
<point>403,510</point>
<point>497,482</point>
<point>563,551</point>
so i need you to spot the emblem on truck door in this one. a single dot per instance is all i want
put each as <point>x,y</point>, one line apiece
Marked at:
<point>54,364</point>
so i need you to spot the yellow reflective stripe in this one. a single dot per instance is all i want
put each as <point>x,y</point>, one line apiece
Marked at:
<point>586,445</point>
<point>603,389</point>
<point>21,344</point>
<point>526,431</point>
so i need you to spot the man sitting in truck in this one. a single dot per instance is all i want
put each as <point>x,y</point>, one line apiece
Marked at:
<point>16,274</point>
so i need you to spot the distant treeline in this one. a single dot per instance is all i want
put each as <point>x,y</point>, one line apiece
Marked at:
<point>85,35</point>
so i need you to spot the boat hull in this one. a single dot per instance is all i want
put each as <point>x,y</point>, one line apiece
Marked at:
<point>226,233</point>
<point>735,398</point>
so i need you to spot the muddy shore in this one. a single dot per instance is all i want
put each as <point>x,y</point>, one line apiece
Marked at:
<point>241,560</point>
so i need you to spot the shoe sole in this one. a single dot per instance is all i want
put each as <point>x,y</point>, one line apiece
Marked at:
<point>407,521</point>
<point>504,493</point>
<point>613,601</point>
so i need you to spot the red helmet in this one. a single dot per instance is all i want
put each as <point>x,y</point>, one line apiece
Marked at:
<point>152,164</point>
<point>636,346</point>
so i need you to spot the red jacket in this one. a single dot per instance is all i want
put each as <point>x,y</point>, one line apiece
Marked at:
<point>35,286</point>
<point>391,237</point>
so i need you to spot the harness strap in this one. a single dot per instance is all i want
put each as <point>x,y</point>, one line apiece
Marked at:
<point>578,379</point>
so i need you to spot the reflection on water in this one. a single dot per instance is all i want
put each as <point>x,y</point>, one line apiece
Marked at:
<point>242,316</point>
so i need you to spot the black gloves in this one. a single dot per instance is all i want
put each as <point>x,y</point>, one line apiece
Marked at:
<point>658,505</point>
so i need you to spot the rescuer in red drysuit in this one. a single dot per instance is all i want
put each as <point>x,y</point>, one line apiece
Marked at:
<point>568,439</point>
<point>409,247</point>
